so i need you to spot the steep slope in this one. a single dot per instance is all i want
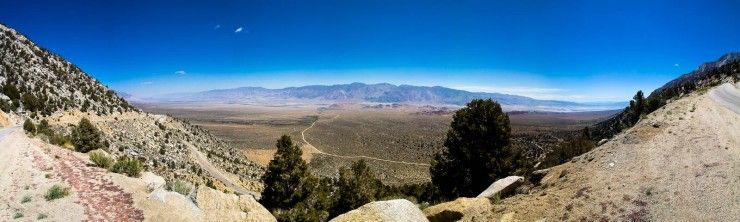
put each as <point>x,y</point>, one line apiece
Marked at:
<point>679,163</point>
<point>37,84</point>
<point>377,93</point>
<point>724,70</point>
<point>34,79</point>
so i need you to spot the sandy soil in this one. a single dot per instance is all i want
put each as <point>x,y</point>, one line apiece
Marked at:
<point>33,167</point>
<point>681,163</point>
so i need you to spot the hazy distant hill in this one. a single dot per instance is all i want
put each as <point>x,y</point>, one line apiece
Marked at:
<point>378,93</point>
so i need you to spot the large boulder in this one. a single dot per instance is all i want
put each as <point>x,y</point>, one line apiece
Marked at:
<point>502,187</point>
<point>386,211</point>
<point>219,206</point>
<point>462,209</point>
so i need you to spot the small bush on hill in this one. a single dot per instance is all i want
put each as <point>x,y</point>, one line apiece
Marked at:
<point>182,187</point>
<point>101,159</point>
<point>86,137</point>
<point>130,167</point>
<point>56,192</point>
<point>29,127</point>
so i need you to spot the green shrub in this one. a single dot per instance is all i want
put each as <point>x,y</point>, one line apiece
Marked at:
<point>182,187</point>
<point>17,215</point>
<point>130,167</point>
<point>29,127</point>
<point>86,137</point>
<point>26,198</point>
<point>41,216</point>
<point>101,159</point>
<point>56,192</point>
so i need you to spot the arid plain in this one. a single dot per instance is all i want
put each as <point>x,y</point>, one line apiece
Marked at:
<point>397,141</point>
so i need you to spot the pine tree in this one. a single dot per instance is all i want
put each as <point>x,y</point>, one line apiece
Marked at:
<point>356,187</point>
<point>476,151</point>
<point>86,137</point>
<point>285,176</point>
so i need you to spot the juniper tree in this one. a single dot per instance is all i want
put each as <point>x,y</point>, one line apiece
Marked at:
<point>476,151</point>
<point>86,136</point>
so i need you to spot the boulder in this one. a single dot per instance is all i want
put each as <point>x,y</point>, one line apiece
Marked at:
<point>502,187</point>
<point>390,210</point>
<point>462,209</point>
<point>152,181</point>
<point>602,141</point>
<point>219,206</point>
<point>537,175</point>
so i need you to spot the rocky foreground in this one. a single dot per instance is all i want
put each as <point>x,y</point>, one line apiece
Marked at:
<point>33,167</point>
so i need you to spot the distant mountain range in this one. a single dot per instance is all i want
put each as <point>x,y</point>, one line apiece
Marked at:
<point>376,93</point>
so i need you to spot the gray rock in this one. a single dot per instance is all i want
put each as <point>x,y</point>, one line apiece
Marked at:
<point>537,175</point>
<point>502,187</point>
<point>391,210</point>
<point>602,141</point>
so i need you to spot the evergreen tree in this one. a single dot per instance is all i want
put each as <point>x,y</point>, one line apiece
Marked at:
<point>477,151</point>
<point>285,177</point>
<point>86,137</point>
<point>356,187</point>
<point>29,127</point>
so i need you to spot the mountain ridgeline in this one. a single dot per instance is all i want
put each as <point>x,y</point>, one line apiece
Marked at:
<point>379,93</point>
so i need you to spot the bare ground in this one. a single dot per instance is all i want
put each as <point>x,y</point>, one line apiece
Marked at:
<point>681,163</point>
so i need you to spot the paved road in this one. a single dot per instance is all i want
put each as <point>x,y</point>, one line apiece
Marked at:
<point>216,173</point>
<point>4,132</point>
<point>728,95</point>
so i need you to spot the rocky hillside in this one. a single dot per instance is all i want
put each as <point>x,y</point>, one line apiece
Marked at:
<point>37,80</point>
<point>39,85</point>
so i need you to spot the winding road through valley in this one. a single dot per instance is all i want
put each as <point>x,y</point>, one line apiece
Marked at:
<point>314,150</point>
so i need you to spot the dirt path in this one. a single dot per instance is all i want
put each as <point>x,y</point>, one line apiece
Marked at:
<point>315,150</point>
<point>33,167</point>
<point>216,172</point>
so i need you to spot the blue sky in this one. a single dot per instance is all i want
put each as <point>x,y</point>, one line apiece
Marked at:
<point>567,50</point>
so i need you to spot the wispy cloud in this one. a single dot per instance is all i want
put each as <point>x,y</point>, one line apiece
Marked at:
<point>238,30</point>
<point>217,27</point>
<point>147,83</point>
<point>180,72</point>
<point>676,65</point>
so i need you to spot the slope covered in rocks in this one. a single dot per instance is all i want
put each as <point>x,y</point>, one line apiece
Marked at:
<point>37,84</point>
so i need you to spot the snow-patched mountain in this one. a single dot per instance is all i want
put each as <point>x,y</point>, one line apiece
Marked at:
<point>378,93</point>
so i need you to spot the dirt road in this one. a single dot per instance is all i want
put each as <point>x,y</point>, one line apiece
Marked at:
<point>315,150</point>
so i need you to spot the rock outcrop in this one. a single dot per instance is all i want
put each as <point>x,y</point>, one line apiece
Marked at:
<point>218,206</point>
<point>400,210</point>
<point>502,187</point>
<point>462,209</point>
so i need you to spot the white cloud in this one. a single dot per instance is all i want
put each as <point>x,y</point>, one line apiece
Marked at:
<point>676,65</point>
<point>147,83</point>
<point>217,26</point>
<point>238,30</point>
<point>181,72</point>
